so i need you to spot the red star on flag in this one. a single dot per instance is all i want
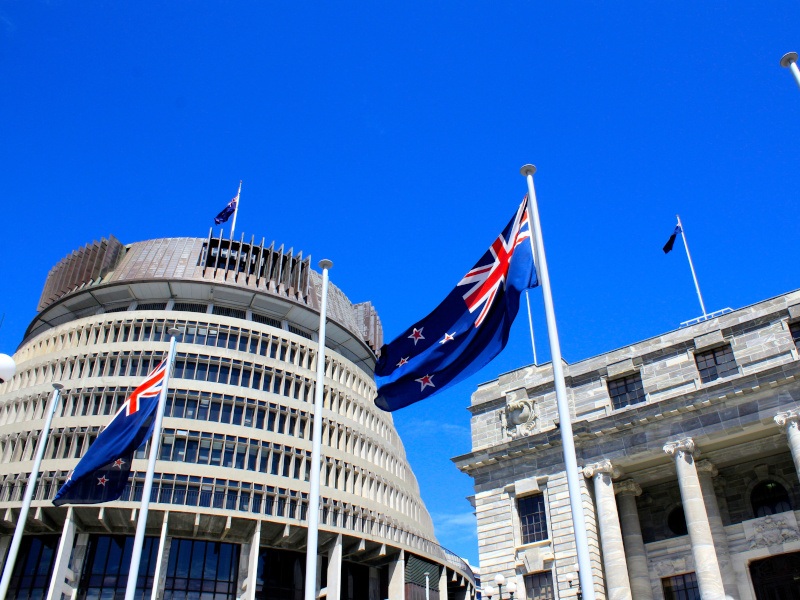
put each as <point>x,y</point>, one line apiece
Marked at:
<point>403,361</point>
<point>448,337</point>
<point>416,335</point>
<point>102,480</point>
<point>118,463</point>
<point>425,381</point>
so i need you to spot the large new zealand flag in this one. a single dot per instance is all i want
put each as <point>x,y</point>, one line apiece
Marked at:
<point>467,330</point>
<point>102,474</point>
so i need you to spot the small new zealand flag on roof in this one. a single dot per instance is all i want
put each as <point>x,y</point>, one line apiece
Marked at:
<point>467,330</point>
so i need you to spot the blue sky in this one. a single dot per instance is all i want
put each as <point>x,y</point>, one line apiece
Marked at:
<point>388,137</point>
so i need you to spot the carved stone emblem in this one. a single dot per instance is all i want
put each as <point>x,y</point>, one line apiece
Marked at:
<point>773,530</point>
<point>520,415</point>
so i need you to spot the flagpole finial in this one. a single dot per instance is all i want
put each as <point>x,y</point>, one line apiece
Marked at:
<point>527,170</point>
<point>788,58</point>
<point>325,264</point>
<point>58,386</point>
<point>174,331</point>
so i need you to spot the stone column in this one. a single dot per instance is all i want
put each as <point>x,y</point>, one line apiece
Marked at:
<point>635,553</point>
<point>617,584</point>
<point>789,421</point>
<point>252,563</point>
<point>706,471</point>
<point>61,567</point>
<point>397,578</point>
<point>706,565</point>
<point>335,569</point>
<point>443,584</point>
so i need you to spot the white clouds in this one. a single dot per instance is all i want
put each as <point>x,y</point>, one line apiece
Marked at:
<point>457,528</point>
<point>432,427</point>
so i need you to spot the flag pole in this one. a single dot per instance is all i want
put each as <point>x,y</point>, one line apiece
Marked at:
<point>236,208</point>
<point>691,266</point>
<point>13,549</point>
<point>316,445</point>
<point>789,60</point>
<point>155,442</point>
<point>565,422</point>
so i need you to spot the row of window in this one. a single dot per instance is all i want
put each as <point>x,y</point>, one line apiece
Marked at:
<point>73,443</point>
<point>711,365</point>
<point>227,409</point>
<point>204,334</point>
<point>243,496</point>
<point>229,451</point>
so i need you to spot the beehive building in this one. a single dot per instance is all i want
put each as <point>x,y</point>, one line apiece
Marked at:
<point>228,514</point>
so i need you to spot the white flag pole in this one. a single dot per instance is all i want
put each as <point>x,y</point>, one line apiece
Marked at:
<point>316,446</point>
<point>691,266</point>
<point>789,60</point>
<point>236,208</point>
<point>155,442</point>
<point>565,422</point>
<point>13,549</point>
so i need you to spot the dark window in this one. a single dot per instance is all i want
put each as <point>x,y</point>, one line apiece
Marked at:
<point>33,568</point>
<point>532,518</point>
<point>794,328</point>
<point>190,307</point>
<point>676,521</point>
<point>769,498</point>
<point>200,569</point>
<point>681,587</point>
<point>626,390</point>
<point>281,574</point>
<point>715,363</point>
<point>105,573</point>
<point>539,586</point>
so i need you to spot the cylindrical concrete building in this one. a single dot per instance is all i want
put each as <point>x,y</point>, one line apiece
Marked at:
<point>228,512</point>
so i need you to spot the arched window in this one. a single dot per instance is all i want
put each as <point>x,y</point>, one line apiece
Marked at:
<point>676,521</point>
<point>769,498</point>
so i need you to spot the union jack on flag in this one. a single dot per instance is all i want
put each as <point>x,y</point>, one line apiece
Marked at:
<point>103,471</point>
<point>486,278</point>
<point>468,329</point>
<point>151,388</point>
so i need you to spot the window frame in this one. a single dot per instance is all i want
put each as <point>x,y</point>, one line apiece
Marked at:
<point>522,526</point>
<point>633,383</point>
<point>712,372</point>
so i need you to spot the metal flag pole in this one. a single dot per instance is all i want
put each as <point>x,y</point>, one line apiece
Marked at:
<point>789,61</point>
<point>13,549</point>
<point>565,422</point>
<point>316,445</point>
<point>236,208</point>
<point>530,325</point>
<point>155,439</point>
<point>691,266</point>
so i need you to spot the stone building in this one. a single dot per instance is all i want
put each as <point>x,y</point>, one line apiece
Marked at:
<point>228,513</point>
<point>689,448</point>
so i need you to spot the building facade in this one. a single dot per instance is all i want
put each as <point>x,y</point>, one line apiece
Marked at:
<point>689,450</point>
<point>227,517</point>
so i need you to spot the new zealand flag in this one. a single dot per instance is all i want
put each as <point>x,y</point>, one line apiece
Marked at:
<point>226,212</point>
<point>102,473</point>
<point>467,330</point>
